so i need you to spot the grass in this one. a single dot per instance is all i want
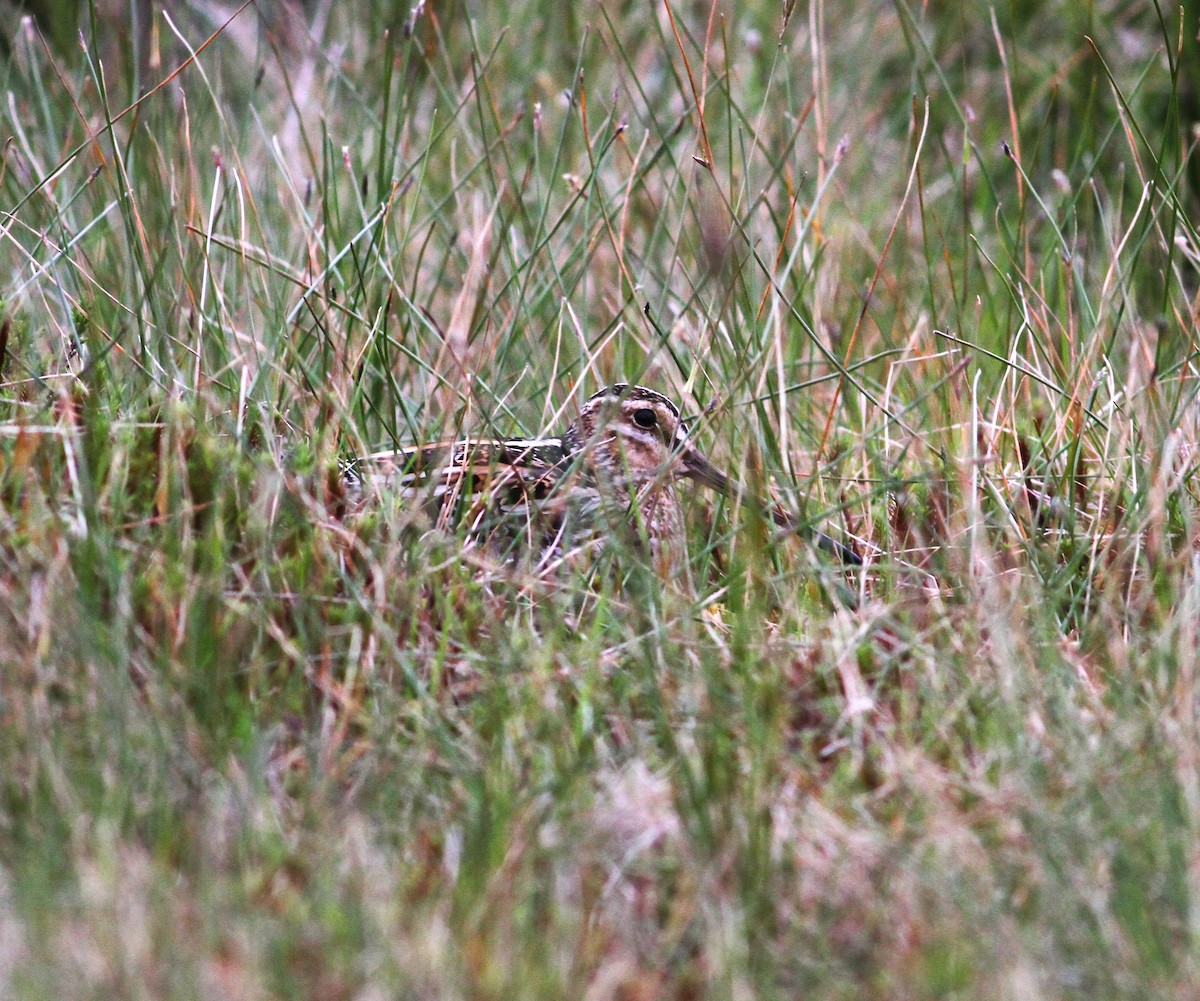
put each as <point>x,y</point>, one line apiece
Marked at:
<point>927,274</point>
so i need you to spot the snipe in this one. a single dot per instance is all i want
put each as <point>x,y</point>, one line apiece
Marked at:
<point>610,475</point>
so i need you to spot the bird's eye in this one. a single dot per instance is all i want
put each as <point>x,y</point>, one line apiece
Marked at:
<point>645,418</point>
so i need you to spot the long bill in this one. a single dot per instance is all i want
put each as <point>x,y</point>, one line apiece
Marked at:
<point>697,467</point>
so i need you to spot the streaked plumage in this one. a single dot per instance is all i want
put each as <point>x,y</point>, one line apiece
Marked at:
<point>610,474</point>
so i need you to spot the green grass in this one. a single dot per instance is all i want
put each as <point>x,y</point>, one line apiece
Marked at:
<point>927,274</point>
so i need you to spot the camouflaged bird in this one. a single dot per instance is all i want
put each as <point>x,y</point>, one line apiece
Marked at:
<point>611,475</point>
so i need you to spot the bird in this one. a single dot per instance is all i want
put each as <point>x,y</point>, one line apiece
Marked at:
<point>610,475</point>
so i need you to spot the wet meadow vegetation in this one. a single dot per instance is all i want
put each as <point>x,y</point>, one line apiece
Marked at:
<point>924,273</point>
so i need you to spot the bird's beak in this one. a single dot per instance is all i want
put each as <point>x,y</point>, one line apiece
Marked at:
<point>698,468</point>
